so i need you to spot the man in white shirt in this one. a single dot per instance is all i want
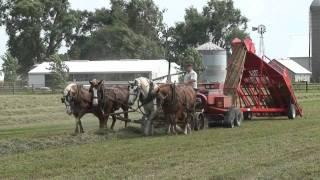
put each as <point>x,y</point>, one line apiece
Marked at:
<point>191,77</point>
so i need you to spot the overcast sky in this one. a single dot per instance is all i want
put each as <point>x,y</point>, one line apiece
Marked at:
<point>287,21</point>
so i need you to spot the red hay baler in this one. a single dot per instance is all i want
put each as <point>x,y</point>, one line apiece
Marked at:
<point>254,87</point>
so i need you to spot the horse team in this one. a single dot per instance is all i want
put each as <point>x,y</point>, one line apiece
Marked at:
<point>176,101</point>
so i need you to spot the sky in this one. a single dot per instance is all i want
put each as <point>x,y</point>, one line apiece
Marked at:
<point>287,21</point>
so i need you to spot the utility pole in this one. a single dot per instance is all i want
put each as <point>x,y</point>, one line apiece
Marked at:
<point>166,55</point>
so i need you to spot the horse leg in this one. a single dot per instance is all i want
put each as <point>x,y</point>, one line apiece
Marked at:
<point>170,123</point>
<point>101,121</point>
<point>190,119</point>
<point>105,119</point>
<point>81,127</point>
<point>151,116</point>
<point>77,120</point>
<point>185,119</point>
<point>126,115</point>
<point>114,119</point>
<point>174,124</point>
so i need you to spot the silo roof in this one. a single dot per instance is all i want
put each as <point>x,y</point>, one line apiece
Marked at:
<point>315,4</point>
<point>209,46</point>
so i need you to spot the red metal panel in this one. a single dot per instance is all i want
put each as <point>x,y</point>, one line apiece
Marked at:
<point>264,87</point>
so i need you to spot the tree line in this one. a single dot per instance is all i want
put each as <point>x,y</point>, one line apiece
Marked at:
<point>37,29</point>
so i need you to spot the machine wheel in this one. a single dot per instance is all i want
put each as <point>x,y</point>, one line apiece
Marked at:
<point>200,121</point>
<point>239,117</point>
<point>292,112</point>
<point>247,115</point>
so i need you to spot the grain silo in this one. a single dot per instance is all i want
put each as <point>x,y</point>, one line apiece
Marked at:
<point>214,61</point>
<point>315,39</point>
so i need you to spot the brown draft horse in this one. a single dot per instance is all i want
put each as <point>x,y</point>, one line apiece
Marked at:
<point>109,100</point>
<point>178,103</point>
<point>78,102</point>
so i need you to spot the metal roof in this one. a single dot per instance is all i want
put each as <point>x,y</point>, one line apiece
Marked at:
<point>209,46</point>
<point>109,66</point>
<point>293,66</point>
<point>315,5</point>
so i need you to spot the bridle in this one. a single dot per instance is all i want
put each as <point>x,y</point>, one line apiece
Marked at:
<point>137,91</point>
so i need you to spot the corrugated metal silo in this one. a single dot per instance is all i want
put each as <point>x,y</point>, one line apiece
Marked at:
<point>315,38</point>
<point>214,61</point>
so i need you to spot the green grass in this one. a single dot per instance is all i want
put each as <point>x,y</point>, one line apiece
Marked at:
<point>36,142</point>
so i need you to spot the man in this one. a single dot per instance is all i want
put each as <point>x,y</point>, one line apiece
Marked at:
<point>191,77</point>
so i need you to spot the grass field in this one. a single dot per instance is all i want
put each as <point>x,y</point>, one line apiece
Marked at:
<point>36,142</point>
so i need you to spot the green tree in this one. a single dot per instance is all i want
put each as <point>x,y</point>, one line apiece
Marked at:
<point>223,20</point>
<point>59,72</point>
<point>37,28</point>
<point>145,18</point>
<point>116,42</point>
<point>191,56</point>
<point>219,21</point>
<point>9,68</point>
<point>129,29</point>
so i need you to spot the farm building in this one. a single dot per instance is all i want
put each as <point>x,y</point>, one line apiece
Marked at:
<point>305,62</point>
<point>112,71</point>
<point>297,72</point>
<point>315,36</point>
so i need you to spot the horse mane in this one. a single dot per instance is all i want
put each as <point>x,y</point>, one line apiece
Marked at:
<point>68,88</point>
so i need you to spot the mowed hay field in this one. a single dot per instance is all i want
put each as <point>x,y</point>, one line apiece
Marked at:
<point>36,142</point>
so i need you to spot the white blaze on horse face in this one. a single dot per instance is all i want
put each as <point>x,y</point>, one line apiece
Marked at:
<point>66,96</point>
<point>95,97</point>
<point>133,95</point>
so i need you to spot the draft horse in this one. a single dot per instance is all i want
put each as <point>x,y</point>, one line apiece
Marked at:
<point>78,102</point>
<point>178,104</point>
<point>108,100</point>
<point>141,90</point>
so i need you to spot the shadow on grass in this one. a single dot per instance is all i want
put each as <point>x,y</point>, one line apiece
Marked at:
<point>256,119</point>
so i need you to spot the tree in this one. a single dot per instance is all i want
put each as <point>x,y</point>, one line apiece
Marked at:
<point>145,18</point>
<point>219,21</point>
<point>10,66</point>
<point>116,42</point>
<point>130,29</point>
<point>59,72</point>
<point>191,56</point>
<point>37,28</point>
<point>223,20</point>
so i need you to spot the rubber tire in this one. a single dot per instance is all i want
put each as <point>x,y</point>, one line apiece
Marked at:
<point>230,118</point>
<point>292,112</point>
<point>239,117</point>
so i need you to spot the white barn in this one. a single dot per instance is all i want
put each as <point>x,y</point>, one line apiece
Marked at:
<point>112,71</point>
<point>297,72</point>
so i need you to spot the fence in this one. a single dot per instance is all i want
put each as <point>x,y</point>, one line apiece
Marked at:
<point>22,88</point>
<point>306,87</point>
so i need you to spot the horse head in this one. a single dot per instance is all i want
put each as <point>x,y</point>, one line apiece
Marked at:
<point>134,91</point>
<point>96,88</point>
<point>69,95</point>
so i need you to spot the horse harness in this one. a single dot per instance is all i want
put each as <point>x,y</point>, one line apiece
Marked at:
<point>173,103</point>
